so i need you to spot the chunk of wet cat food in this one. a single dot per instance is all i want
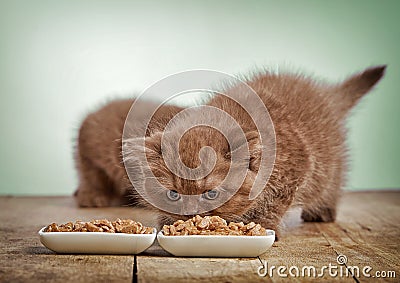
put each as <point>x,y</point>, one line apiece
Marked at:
<point>212,225</point>
<point>127,226</point>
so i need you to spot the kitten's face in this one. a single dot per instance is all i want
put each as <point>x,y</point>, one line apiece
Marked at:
<point>193,196</point>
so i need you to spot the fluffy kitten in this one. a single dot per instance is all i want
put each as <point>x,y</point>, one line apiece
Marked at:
<point>102,176</point>
<point>310,164</point>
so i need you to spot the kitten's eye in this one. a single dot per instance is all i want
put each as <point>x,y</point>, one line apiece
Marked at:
<point>173,195</point>
<point>211,194</point>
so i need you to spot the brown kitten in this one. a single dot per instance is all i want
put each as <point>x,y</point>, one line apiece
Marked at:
<point>102,176</point>
<point>311,162</point>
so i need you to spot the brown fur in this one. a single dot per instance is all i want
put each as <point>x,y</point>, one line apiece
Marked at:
<point>102,176</point>
<point>310,165</point>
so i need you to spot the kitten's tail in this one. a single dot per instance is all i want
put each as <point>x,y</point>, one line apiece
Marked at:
<point>354,88</point>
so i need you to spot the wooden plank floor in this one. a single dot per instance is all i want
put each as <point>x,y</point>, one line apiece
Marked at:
<point>367,232</point>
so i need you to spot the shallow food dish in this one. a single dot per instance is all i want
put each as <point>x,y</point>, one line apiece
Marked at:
<point>96,242</point>
<point>217,245</point>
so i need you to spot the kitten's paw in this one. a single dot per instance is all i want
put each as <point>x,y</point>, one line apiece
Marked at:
<point>325,214</point>
<point>89,198</point>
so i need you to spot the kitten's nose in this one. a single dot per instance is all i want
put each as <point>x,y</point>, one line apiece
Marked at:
<point>190,205</point>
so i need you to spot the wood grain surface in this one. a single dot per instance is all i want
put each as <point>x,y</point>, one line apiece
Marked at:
<point>367,232</point>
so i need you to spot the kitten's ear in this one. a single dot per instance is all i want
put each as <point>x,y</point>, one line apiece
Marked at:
<point>134,147</point>
<point>352,89</point>
<point>153,143</point>
<point>255,149</point>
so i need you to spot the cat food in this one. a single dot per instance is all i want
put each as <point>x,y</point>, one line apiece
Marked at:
<point>212,225</point>
<point>119,226</point>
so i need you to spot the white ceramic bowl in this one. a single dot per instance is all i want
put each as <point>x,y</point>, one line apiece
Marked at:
<point>216,246</point>
<point>96,242</point>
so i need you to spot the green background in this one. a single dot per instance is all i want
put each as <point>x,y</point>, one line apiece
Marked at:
<point>61,59</point>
